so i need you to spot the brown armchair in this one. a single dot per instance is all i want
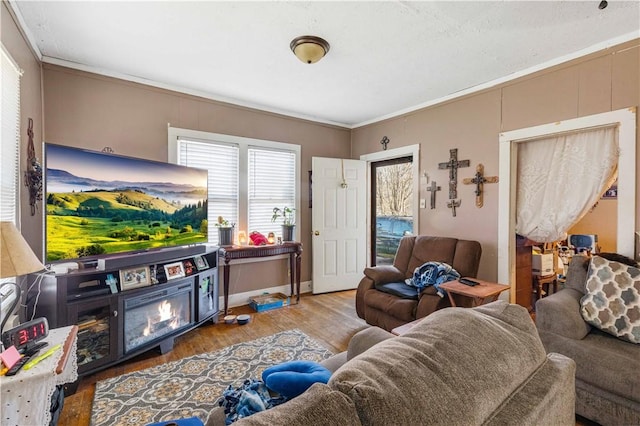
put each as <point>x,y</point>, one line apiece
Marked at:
<point>384,300</point>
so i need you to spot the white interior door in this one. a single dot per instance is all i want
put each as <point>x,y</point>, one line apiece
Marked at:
<point>339,223</point>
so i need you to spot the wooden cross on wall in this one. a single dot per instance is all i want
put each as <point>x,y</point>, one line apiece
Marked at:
<point>453,164</point>
<point>479,180</point>
<point>452,204</point>
<point>433,188</point>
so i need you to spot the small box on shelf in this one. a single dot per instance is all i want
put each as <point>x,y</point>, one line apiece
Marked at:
<point>266,302</point>
<point>542,264</point>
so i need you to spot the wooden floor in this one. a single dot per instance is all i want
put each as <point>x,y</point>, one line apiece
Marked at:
<point>329,318</point>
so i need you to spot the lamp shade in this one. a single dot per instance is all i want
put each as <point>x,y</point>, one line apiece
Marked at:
<point>16,257</point>
<point>309,49</point>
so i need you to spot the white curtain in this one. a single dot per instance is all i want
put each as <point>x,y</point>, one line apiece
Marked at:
<point>560,178</point>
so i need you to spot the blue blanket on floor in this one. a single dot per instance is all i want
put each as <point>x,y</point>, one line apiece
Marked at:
<point>432,274</point>
<point>250,398</point>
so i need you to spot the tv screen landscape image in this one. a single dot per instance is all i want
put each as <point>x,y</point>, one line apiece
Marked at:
<point>98,204</point>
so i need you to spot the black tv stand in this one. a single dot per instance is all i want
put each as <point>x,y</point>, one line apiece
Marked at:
<point>111,324</point>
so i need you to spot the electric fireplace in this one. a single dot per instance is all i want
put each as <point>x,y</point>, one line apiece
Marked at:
<point>151,316</point>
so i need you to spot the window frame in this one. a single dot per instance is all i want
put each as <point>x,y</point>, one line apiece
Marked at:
<point>243,143</point>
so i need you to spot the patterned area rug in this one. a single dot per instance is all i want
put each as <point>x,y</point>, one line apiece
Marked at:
<point>191,386</point>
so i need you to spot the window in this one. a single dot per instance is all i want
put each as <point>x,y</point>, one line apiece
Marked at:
<point>10,141</point>
<point>247,177</point>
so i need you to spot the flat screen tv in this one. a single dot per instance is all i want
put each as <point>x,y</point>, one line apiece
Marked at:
<point>99,204</point>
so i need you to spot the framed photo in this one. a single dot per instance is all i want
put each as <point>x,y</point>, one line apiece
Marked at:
<point>189,268</point>
<point>201,262</point>
<point>134,277</point>
<point>174,270</point>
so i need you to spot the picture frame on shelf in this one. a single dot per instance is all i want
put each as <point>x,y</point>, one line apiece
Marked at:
<point>201,262</point>
<point>189,267</point>
<point>174,270</point>
<point>135,277</point>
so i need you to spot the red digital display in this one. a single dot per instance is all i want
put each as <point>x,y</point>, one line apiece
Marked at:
<point>26,333</point>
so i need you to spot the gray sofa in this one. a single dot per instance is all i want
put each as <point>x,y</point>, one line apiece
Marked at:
<point>607,368</point>
<point>484,365</point>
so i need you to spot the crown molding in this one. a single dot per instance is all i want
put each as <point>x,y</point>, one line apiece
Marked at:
<point>528,71</point>
<point>22,26</point>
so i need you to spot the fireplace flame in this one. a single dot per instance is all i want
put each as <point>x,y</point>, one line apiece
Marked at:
<point>166,314</point>
<point>165,310</point>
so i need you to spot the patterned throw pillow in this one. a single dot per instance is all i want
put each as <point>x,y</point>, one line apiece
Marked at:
<point>612,299</point>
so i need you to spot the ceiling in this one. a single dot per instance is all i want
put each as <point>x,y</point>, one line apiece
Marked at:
<point>386,57</point>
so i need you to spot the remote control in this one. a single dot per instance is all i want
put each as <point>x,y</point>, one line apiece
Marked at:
<point>467,281</point>
<point>17,366</point>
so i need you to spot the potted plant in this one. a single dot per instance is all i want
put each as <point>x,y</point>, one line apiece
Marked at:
<point>225,232</point>
<point>288,221</point>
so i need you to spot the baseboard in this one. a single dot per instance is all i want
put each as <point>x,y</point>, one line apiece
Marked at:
<point>239,299</point>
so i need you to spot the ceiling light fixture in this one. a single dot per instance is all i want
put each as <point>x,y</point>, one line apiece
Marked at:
<point>603,4</point>
<point>309,49</point>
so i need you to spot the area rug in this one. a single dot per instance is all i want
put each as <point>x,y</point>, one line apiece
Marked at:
<point>192,386</point>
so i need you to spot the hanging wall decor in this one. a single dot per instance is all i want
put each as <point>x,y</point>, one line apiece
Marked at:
<point>433,188</point>
<point>479,180</point>
<point>33,174</point>
<point>384,142</point>
<point>453,164</point>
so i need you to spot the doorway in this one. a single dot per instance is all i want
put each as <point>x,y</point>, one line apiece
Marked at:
<point>408,155</point>
<point>625,121</point>
<point>391,207</point>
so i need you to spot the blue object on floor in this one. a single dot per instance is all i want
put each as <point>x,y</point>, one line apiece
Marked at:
<point>191,421</point>
<point>292,378</point>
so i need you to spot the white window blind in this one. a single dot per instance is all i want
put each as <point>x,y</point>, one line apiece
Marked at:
<point>272,183</point>
<point>221,160</point>
<point>247,177</point>
<point>10,75</point>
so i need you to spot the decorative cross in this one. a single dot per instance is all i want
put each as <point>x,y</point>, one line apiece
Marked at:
<point>453,165</point>
<point>479,180</point>
<point>384,142</point>
<point>452,205</point>
<point>433,188</point>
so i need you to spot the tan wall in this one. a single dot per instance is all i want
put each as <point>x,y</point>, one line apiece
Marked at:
<point>30,107</point>
<point>598,221</point>
<point>90,111</point>
<point>601,82</point>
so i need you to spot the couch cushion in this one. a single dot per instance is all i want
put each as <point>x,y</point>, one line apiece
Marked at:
<point>602,361</point>
<point>402,309</point>
<point>612,301</point>
<point>472,358</point>
<point>435,249</point>
<point>547,398</point>
<point>399,289</point>
<point>319,405</point>
<point>577,273</point>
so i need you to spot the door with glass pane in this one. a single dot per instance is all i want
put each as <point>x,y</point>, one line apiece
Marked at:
<point>391,207</point>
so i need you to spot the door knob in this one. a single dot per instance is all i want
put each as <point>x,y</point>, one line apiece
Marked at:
<point>316,233</point>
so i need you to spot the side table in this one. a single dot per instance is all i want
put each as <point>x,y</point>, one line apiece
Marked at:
<point>482,293</point>
<point>26,397</point>
<point>540,281</point>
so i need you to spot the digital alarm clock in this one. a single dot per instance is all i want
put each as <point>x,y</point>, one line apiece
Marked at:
<point>26,334</point>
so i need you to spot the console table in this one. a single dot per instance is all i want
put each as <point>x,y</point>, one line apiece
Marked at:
<point>292,248</point>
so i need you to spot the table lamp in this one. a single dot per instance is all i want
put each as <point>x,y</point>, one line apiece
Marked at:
<point>16,259</point>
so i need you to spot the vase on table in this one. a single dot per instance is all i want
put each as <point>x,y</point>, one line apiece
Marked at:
<point>288,232</point>
<point>225,236</point>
